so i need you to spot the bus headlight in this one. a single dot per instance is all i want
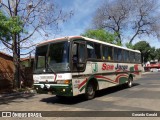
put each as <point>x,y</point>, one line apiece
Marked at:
<point>63,81</point>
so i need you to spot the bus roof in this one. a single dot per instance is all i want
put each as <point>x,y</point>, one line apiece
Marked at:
<point>88,39</point>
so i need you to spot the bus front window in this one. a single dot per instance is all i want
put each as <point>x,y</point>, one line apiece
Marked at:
<point>41,53</point>
<point>53,57</point>
<point>58,53</point>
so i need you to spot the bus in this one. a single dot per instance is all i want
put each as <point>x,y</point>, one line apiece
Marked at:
<point>76,65</point>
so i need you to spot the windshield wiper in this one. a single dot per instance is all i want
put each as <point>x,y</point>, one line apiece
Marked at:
<point>48,66</point>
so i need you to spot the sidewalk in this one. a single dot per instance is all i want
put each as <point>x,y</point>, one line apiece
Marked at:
<point>5,98</point>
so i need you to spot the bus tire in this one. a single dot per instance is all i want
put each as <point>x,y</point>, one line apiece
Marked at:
<point>130,82</point>
<point>90,91</point>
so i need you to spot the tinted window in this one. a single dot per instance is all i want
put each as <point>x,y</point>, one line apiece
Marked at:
<point>93,50</point>
<point>115,54</point>
<point>120,57</point>
<point>81,52</point>
<point>132,57</point>
<point>107,53</point>
<point>104,52</point>
<point>41,53</point>
<point>138,57</point>
<point>126,55</point>
<point>110,53</point>
<point>58,53</point>
<point>97,51</point>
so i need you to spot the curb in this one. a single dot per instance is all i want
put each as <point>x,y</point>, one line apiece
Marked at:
<point>17,94</point>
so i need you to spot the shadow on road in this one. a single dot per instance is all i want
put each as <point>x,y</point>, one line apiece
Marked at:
<point>6,99</point>
<point>114,89</point>
<point>81,98</point>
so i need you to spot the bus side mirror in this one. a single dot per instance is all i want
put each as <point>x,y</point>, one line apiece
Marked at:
<point>81,54</point>
<point>74,49</point>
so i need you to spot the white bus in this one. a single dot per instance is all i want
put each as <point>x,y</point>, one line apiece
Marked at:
<point>77,65</point>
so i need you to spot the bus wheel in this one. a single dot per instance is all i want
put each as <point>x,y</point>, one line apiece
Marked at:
<point>90,91</point>
<point>129,83</point>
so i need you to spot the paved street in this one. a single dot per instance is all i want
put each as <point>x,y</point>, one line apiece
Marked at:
<point>143,96</point>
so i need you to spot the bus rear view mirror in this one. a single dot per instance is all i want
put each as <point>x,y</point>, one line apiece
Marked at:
<point>74,49</point>
<point>81,53</point>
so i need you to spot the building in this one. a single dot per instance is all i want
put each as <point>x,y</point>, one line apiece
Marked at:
<point>6,71</point>
<point>27,71</point>
<point>153,65</point>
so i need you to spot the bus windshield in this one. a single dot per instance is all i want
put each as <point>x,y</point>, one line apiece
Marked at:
<point>53,57</point>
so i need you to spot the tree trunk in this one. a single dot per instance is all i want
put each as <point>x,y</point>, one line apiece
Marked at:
<point>16,54</point>
<point>18,57</point>
<point>16,62</point>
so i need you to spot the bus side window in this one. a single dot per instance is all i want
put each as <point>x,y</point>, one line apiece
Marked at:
<point>107,53</point>
<point>120,57</point>
<point>126,56</point>
<point>115,54</point>
<point>132,56</point>
<point>74,51</point>
<point>138,57</point>
<point>81,53</point>
<point>97,50</point>
<point>110,55</point>
<point>91,50</point>
<point>104,52</point>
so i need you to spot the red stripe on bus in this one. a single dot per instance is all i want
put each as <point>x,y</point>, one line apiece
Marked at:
<point>82,83</point>
<point>105,78</point>
<point>122,70</point>
<point>136,69</point>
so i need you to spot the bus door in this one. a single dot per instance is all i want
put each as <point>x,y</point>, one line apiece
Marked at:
<point>78,66</point>
<point>78,56</point>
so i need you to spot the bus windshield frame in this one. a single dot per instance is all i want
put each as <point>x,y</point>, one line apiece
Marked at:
<point>52,57</point>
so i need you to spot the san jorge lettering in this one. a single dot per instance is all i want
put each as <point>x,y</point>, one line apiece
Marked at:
<point>107,67</point>
<point>121,67</point>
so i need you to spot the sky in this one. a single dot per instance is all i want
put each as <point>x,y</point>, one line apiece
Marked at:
<point>83,10</point>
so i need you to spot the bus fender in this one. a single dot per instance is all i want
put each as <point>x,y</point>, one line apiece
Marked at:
<point>94,81</point>
<point>131,75</point>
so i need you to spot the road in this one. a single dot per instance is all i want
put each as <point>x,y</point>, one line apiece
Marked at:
<point>143,96</point>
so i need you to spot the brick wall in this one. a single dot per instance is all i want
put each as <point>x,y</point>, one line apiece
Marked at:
<point>6,71</point>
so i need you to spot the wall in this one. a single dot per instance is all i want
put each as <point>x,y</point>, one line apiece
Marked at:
<point>6,71</point>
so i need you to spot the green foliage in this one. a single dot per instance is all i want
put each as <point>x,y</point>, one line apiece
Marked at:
<point>148,52</point>
<point>142,46</point>
<point>102,35</point>
<point>152,53</point>
<point>129,45</point>
<point>9,26</point>
<point>157,52</point>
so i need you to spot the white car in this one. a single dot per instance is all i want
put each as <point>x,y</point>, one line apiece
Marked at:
<point>155,70</point>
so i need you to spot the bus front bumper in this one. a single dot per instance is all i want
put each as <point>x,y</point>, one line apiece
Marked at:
<point>58,89</point>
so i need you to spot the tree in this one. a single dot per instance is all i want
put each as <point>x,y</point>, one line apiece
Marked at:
<point>37,17</point>
<point>129,45</point>
<point>102,35</point>
<point>158,54</point>
<point>9,26</point>
<point>129,18</point>
<point>144,48</point>
<point>152,54</point>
